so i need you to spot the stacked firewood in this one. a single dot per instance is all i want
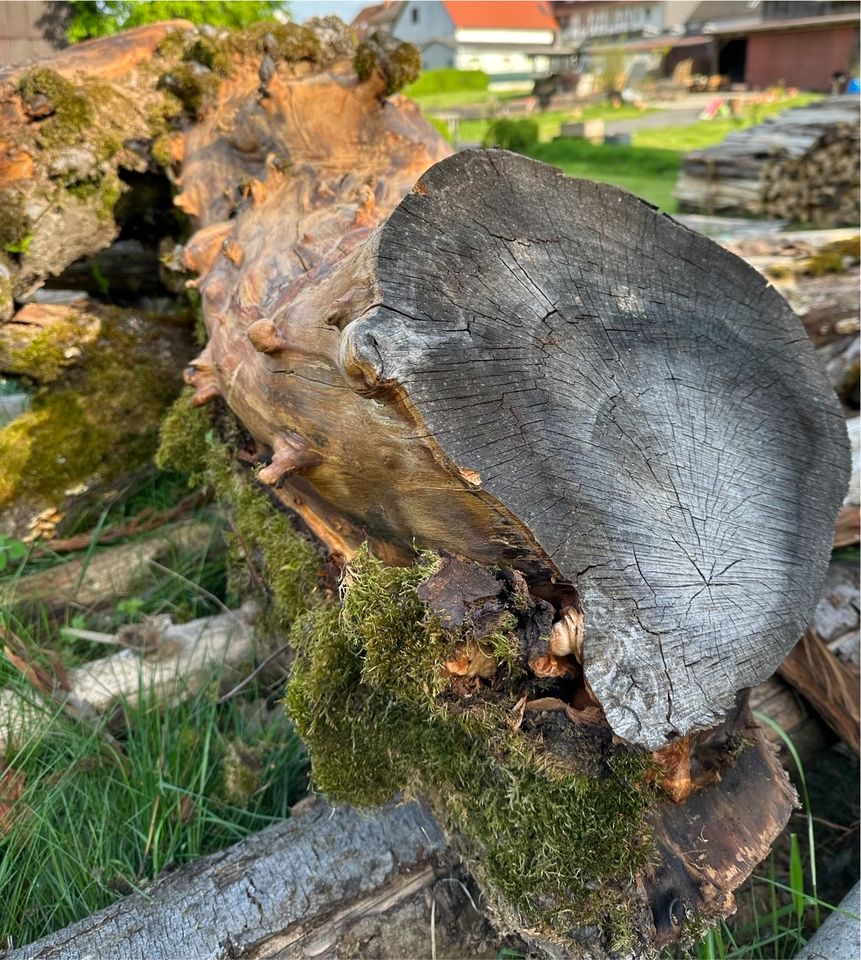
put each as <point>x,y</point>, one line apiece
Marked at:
<point>801,165</point>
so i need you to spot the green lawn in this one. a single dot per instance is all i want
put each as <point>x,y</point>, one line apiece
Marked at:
<point>650,173</point>
<point>706,133</point>
<point>650,166</point>
<point>463,98</point>
<point>549,123</point>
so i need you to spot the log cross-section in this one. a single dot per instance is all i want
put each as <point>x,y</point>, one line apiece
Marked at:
<point>548,371</point>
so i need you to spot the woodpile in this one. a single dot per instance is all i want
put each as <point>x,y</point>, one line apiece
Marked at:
<point>801,165</point>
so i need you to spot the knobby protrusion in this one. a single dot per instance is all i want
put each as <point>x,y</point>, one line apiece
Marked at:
<point>566,635</point>
<point>200,374</point>
<point>290,453</point>
<point>265,338</point>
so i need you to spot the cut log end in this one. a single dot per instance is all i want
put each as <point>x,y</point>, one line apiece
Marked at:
<point>640,403</point>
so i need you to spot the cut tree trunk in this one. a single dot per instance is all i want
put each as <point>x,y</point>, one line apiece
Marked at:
<point>547,372</point>
<point>477,355</point>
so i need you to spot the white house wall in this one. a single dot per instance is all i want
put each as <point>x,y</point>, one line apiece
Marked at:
<point>526,37</point>
<point>501,63</point>
<point>421,21</point>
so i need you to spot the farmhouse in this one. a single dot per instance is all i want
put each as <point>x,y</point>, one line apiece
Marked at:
<point>513,42</point>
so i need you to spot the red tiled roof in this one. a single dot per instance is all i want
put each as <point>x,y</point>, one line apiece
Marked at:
<point>501,15</point>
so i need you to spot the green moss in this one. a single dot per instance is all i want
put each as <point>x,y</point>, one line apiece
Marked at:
<point>73,110</point>
<point>543,839</point>
<point>45,356</point>
<point>399,64</point>
<point>835,257</point>
<point>100,421</point>
<point>194,89</point>
<point>172,47</point>
<point>14,226</point>
<point>183,444</point>
<point>293,42</point>
<point>161,151</point>
<point>110,191</point>
<point>210,53</point>
<point>554,849</point>
<point>188,444</point>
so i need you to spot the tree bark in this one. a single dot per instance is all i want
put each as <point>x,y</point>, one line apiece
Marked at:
<point>329,882</point>
<point>477,355</point>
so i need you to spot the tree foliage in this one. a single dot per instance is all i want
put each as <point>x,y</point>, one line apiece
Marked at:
<point>96,18</point>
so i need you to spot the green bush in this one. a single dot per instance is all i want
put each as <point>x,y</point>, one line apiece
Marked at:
<point>517,135</point>
<point>447,80</point>
<point>441,127</point>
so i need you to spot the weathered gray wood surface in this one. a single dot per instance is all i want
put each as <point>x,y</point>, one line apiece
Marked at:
<point>839,938</point>
<point>638,398</point>
<point>331,882</point>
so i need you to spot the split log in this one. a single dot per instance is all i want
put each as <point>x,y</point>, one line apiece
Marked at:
<point>475,355</point>
<point>800,165</point>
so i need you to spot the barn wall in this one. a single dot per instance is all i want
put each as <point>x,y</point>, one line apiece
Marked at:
<point>803,58</point>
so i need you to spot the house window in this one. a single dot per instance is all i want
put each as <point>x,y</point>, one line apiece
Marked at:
<point>415,14</point>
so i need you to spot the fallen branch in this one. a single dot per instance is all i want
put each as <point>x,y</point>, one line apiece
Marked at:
<point>329,882</point>
<point>145,522</point>
<point>828,684</point>
<point>172,663</point>
<point>93,579</point>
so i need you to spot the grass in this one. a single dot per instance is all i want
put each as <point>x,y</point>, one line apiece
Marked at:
<point>98,813</point>
<point>649,172</point>
<point>650,166</point>
<point>550,122</point>
<point>91,811</point>
<point>780,907</point>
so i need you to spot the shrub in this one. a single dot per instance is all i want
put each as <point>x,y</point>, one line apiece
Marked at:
<point>517,135</point>
<point>447,80</point>
<point>441,127</point>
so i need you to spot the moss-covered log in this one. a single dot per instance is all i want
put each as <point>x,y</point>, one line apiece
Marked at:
<point>576,466</point>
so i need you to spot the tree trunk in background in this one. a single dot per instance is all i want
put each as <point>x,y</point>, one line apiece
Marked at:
<point>477,355</point>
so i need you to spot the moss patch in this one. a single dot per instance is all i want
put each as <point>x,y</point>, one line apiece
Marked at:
<point>193,87</point>
<point>399,64</point>
<point>46,355</point>
<point>189,444</point>
<point>14,226</point>
<point>72,109</point>
<point>101,420</point>
<point>368,694</point>
<point>551,846</point>
<point>292,42</point>
<point>835,257</point>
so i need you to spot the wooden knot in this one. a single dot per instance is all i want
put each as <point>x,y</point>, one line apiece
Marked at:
<point>264,337</point>
<point>290,453</point>
<point>200,374</point>
<point>233,251</point>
